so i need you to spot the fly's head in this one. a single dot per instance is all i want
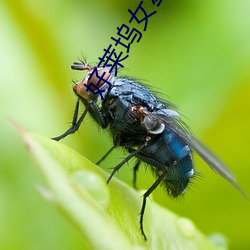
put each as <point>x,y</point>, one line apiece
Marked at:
<point>95,82</point>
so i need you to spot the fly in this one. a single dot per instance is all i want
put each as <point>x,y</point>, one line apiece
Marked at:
<point>149,128</point>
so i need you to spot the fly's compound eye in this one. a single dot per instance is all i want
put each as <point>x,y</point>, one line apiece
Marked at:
<point>95,82</point>
<point>99,76</point>
<point>152,125</point>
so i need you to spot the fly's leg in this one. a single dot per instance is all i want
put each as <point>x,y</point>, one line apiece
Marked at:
<point>145,196</point>
<point>116,168</point>
<point>105,155</point>
<point>97,114</point>
<point>93,109</point>
<point>135,169</point>
<point>75,124</point>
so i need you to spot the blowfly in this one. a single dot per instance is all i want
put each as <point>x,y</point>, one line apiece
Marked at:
<point>148,127</point>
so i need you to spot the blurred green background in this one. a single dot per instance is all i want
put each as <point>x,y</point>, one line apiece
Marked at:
<point>195,52</point>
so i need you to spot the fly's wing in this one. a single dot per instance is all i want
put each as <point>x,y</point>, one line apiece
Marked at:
<point>212,160</point>
<point>175,124</point>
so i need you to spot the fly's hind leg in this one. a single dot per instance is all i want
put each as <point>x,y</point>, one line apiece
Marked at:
<point>145,196</point>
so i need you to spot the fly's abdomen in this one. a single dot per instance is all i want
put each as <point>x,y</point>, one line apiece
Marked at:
<point>178,176</point>
<point>170,155</point>
<point>180,166</point>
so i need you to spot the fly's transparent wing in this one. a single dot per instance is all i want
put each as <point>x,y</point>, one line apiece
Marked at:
<point>210,158</point>
<point>174,123</point>
<point>207,155</point>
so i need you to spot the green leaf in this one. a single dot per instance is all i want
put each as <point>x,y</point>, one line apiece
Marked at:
<point>106,215</point>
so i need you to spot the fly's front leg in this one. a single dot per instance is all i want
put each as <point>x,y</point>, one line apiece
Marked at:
<point>75,123</point>
<point>95,112</point>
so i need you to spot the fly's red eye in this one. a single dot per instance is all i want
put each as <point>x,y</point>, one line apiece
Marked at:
<point>95,79</point>
<point>98,77</point>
